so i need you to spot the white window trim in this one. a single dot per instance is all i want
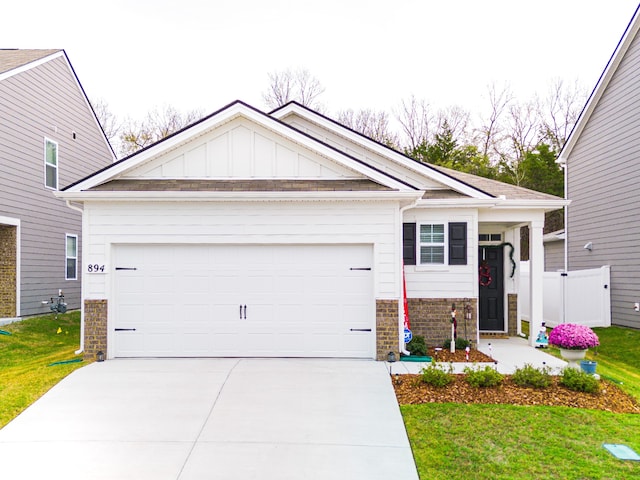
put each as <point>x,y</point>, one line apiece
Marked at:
<point>67,257</point>
<point>444,244</point>
<point>57,165</point>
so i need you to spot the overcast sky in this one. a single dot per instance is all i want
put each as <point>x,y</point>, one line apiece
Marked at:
<point>139,54</point>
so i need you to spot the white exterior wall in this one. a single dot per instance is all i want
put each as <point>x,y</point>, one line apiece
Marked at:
<point>444,281</point>
<point>374,223</point>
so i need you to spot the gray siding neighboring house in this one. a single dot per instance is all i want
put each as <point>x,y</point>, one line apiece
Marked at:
<point>602,156</point>
<point>42,103</point>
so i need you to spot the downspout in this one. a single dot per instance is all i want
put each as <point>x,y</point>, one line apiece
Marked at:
<point>565,273</point>
<point>401,343</point>
<point>81,349</point>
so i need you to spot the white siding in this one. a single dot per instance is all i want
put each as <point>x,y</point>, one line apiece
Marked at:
<point>240,149</point>
<point>243,223</point>
<point>444,281</point>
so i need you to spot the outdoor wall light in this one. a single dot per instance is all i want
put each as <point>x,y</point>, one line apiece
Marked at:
<point>100,356</point>
<point>391,357</point>
<point>589,246</point>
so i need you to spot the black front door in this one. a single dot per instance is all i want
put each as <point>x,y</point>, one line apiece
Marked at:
<point>490,277</point>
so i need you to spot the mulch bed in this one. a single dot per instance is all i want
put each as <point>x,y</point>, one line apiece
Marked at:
<point>411,390</point>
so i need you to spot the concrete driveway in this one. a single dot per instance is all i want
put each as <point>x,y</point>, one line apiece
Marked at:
<point>188,419</point>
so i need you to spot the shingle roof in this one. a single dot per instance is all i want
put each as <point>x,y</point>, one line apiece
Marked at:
<point>494,187</point>
<point>195,185</point>
<point>14,58</point>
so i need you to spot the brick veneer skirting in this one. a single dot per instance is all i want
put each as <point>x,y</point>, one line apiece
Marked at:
<point>95,328</point>
<point>431,318</point>
<point>8,268</point>
<point>388,335</point>
<point>512,314</point>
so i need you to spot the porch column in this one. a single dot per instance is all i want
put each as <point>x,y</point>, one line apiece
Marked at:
<point>536,272</point>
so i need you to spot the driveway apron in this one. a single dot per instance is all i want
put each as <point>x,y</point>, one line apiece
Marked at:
<point>191,419</point>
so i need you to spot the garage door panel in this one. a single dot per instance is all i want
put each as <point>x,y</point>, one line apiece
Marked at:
<point>301,300</point>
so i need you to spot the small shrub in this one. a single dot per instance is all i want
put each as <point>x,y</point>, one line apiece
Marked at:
<point>436,375</point>
<point>579,381</point>
<point>417,346</point>
<point>483,377</point>
<point>461,344</point>
<point>529,376</point>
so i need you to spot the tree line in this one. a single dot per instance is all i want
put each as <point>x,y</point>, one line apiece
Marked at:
<point>516,142</point>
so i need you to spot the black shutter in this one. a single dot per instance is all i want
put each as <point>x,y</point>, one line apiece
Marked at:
<point>409,243</point>
<point>458,243</point>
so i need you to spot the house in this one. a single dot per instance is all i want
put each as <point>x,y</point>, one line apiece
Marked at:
<point>284,234</point>
<point>602,168</point>
<point>49,137</point>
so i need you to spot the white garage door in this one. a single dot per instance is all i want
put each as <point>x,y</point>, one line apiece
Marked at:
<point>243,300</point>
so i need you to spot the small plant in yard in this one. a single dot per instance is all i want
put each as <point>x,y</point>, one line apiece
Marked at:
<point>436,375</point>
<point>417,346</point>
<point>483,377</point>
<point>461,344</point>
<point>579,381</point>
<point>529,376</point>
<point>572,336</point>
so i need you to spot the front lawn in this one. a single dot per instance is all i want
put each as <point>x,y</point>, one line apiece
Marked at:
<point>456,441</point>
<point>459,441</point>
<point>34,344</point>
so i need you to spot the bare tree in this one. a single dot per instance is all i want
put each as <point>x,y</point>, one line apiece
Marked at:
<point>158,124</point>
<point>416,121</point>
<point>108,121</point>
<point>559,111</point>
<point>489,132</point>
<point>371,123</point>
<point>457,120</point>
<point>289,85</point>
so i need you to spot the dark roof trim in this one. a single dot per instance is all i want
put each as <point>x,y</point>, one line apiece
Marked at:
<point>422,164</point>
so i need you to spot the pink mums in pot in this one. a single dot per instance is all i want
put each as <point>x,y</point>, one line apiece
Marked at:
<point>572,336</point>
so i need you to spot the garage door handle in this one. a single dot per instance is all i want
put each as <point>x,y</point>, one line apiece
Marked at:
<point>360,329</point>
<point>360,268</point>
<point>125,329</point>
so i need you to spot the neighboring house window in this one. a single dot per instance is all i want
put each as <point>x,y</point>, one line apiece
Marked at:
<point>434,243</point>
<point>72,257</point>
<point>50,164</point>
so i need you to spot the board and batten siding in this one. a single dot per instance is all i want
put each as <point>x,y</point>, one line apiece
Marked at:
<point>444,281</point>
<point>243,150</point>
<point>45,102</point>
<point>281,223</point>
<point>603,178</point>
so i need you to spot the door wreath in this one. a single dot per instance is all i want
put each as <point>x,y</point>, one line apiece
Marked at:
<point>484,275</point>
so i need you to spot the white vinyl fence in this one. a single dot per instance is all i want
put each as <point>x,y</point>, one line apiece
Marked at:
<point>585,297</point>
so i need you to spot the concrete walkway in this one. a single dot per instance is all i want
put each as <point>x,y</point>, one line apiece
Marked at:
<point>192,419</point>
<point>509,354</point>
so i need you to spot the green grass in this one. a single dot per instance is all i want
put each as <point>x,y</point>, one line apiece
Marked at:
<point>25,355</point>
<point>451,441</point>
<point>456,441</point>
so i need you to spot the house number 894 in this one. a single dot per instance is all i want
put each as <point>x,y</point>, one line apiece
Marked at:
<point>95,268</point>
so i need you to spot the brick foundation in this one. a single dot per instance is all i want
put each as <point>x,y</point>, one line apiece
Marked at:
<point>95,328</point>
<point>387,328</point>
<point>512,314</point>
<point>431,318</point>
<point>8,269</point>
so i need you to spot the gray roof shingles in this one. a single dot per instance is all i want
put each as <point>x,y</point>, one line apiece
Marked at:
<point>14,58</point>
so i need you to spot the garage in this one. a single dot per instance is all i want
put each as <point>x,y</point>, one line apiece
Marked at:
<point>243,301</point>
